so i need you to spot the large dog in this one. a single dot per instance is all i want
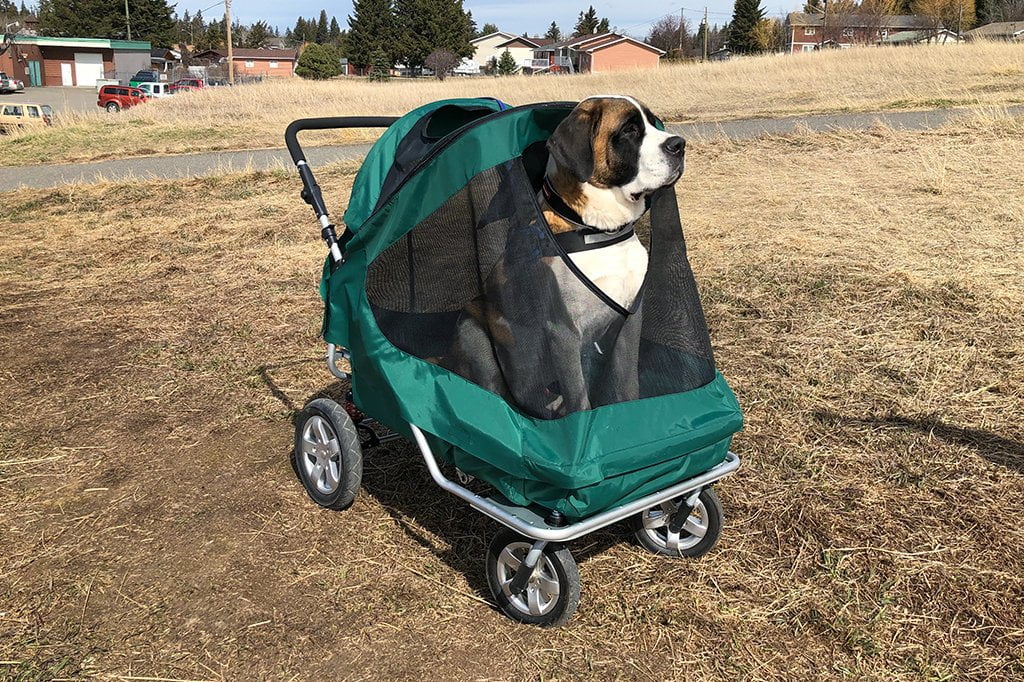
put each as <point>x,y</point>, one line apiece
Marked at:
<point>571,352</point>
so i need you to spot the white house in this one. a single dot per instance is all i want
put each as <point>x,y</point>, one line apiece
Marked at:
<point>486,49</point>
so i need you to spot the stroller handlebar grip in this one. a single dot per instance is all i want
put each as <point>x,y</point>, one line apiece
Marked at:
<point>291,139</point>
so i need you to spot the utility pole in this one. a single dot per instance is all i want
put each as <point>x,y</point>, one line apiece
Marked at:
<point>704,48</point>
<point>681,24</point>
<point>227,24</point>
<point>959,21</point>
<point>128,19</point>
<point>824,27</point>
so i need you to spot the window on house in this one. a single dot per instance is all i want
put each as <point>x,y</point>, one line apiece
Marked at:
<point>809,30</point>
<point>885,32</point>
<point>273,65</point>
<point>249,63</point>
<point>847,32</point>
<point>809,48</point>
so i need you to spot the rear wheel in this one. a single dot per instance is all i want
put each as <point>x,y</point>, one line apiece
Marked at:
<point>698,534</point>
<point>327,455</point>
<point>113,107</point>
<point>553,591</point>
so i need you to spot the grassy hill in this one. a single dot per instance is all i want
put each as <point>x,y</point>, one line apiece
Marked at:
<point>254,116</point>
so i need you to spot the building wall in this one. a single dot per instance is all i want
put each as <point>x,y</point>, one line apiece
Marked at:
<point>53,57</point>
<point>261,67</point>
<point>485,49</point>
<point>801,42</point>
<point>16,66</point>
<point>624,55</point>
<point>129,62</point>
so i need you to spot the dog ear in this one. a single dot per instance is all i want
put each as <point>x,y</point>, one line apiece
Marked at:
<point>572,143</point>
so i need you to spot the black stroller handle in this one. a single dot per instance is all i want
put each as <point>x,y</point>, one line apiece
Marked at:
<point>310,189</point>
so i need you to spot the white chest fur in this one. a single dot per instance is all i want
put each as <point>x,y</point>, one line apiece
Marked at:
<point>617,270</point>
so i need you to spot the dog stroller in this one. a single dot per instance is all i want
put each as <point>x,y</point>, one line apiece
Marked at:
<point>531,395</point>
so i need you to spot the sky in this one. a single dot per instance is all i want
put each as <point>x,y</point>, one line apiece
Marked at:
<point>633,17</point>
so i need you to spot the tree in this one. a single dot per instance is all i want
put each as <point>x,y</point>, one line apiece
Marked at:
<point>372,27</point>
<point>745,16</point>
<point>213,37</point>
<point>428,25</point>
<point>667,34</point>
<point>767,35</point>
<point>380,71</point>
<point>258,35</point>
<point>488,29</point>
<point>814,7</point>
<point>506,64</point>
<point>603,26</point>
<point>554,33</point>
<point>334,33</point>
<point>151,19</point>
<point>587,22</point>
<point>950,14</point>
<point>318,62</point>
<point>323,33</point>
<point>441,62</point>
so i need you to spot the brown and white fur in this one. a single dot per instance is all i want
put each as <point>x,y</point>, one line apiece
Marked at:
<point>606,157</point>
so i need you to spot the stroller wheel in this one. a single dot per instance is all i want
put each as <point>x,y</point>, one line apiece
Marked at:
<point>697,536</point>
<point>327,455</point>
<point>552,593</point>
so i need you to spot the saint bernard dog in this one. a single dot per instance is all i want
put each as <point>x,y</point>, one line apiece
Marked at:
<point>605,158</point>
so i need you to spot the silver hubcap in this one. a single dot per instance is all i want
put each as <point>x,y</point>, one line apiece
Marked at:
<point>541,593</point>
<point>693,531</point>
<point>321,455</point>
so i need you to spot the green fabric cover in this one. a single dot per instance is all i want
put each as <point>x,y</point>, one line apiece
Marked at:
<point>580,464</point>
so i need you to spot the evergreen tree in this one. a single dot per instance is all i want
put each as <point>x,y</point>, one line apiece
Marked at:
<point>323,32</point>
<point>587,22</point>
<point>318,62</point>
<point>428,25</point>
<point>258,35</point>
<point>372,28</point>
<point>488,29</point>
<point>472,25</point>
<point>196,28</point>
<point>334,33</point>
<point>151,19</point>
<point>554,33</point>
<point>213,37</point>
<point>506,64</point>
<point>380,70</point>
<point>603,26</point>
<point>745,17</point>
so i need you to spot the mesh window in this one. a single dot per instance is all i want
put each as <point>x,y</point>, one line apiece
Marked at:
<point>481,288</point>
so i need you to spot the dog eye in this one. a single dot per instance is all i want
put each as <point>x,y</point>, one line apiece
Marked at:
<point>631,130</point>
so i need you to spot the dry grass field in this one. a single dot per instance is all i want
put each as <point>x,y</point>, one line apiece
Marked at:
<point>256,115</point>
<point>864,293</point>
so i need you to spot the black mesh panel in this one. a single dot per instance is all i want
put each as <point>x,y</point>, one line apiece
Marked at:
<point>481,288</point>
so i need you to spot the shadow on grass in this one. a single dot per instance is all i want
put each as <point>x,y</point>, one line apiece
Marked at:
<point>395,475</point>
<point>991,446</point>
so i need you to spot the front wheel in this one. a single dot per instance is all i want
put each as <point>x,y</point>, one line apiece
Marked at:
<point>113,107</point>
<point>697,535</point>
<point>553,591</point>
<point>327,455</point>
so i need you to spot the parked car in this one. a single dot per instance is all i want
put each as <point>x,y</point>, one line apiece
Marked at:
<point>24,115</point>
<point>144,76</point>
<point>117,97</point>
<point>157,89</point>
<point>187,84</point>
<point>8,84</point>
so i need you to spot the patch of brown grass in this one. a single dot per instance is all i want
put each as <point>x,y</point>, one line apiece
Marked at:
<point>255,116</point>
<point>864,293</point>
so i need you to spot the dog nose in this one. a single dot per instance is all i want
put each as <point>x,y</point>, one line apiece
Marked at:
<point>674,146</point>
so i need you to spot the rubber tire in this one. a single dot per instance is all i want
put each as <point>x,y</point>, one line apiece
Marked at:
<point>351,461</point>
<point>716,517</point>
<point>565,569</point>
<point>113,107</point>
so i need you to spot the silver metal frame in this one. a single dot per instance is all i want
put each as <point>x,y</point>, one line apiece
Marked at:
<point>335,353</point>
<point>532,525</point>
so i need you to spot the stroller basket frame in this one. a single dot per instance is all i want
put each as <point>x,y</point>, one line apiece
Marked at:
<point>532,577</point>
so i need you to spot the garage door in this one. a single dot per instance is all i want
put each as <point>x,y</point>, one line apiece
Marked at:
<point>88,68</point>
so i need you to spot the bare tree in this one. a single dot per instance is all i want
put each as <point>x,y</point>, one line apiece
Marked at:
<point>441,62</point>
<point>668,34</point>
<point>872,15</point>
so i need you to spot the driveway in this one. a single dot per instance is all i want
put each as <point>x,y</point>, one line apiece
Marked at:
<point>211,163</point>
<point>60,98</point>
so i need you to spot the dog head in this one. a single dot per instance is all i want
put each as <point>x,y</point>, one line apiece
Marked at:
<point>608,155</point>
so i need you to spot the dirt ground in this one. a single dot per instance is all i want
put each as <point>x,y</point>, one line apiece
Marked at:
<point>864,294</point>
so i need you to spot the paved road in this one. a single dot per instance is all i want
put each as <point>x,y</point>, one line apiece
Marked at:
<point>192,165</point>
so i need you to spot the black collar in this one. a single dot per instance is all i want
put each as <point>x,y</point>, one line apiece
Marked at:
<point>582,237</point>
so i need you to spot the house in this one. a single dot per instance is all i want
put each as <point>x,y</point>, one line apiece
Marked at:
<point>78,62</point>
<point>485,49</point>
<point>722,54</point>
<point>1000,30</point>
<point>522,50</point>
<point>807,32</point>
<point>252,63</point>
<point>922,37</point>
<point>595,53</point>
<point>164,59</point>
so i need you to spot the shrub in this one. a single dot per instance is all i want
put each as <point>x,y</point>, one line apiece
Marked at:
<point>441,62</point>
<point>318,62</point>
